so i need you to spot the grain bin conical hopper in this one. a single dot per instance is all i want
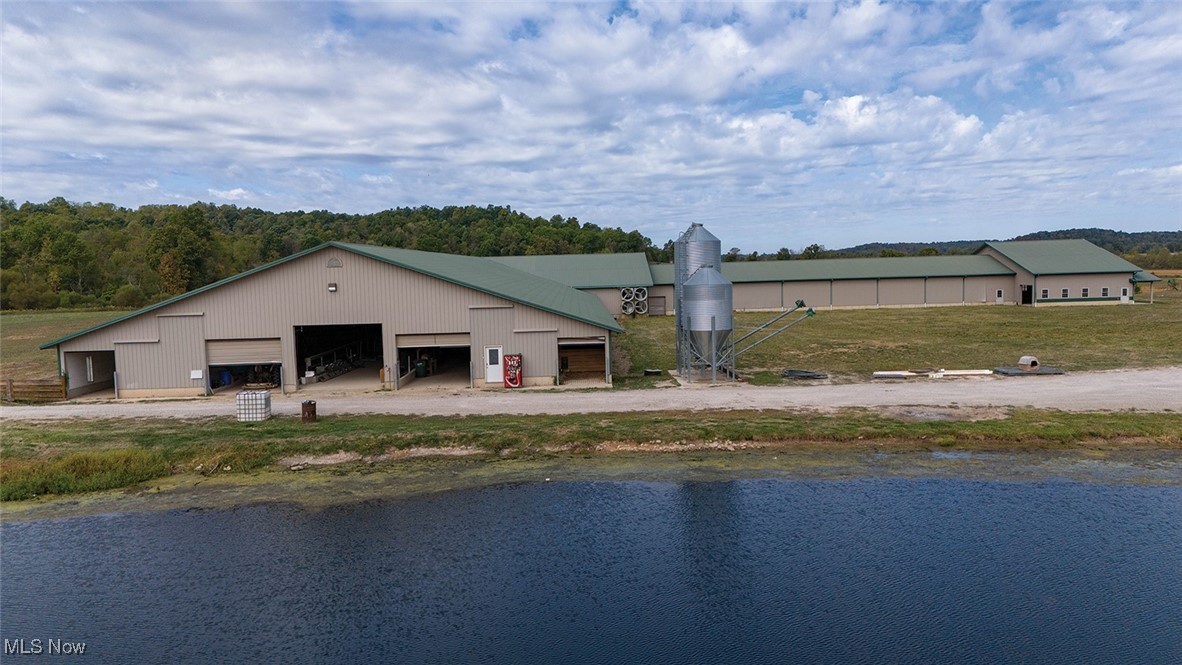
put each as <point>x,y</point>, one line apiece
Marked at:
<point>708,317</point>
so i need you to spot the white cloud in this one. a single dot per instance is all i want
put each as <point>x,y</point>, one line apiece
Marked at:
<point>993,119</point>
<point>236,194</point>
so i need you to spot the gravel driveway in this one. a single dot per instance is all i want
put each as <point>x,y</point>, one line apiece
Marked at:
<point>1158,389</point>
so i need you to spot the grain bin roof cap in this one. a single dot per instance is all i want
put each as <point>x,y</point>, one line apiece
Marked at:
<point>698,233</point>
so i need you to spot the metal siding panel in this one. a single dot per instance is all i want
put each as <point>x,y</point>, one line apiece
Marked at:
<point>855,293</point>
<point>490,327</point>
<point>243,351</point>
<point>757,295</point>
<point>1076,283</point>
<point>528,318</point>
<point>945,290</point>
<point>140,328</point>
<point>814,294</point>
<point>980,290</point>
<point>539,353</point>
<point>900,292</point>
<point>165,364</point>
<point>610,299</point>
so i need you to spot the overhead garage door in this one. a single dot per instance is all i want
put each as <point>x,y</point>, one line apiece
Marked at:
<point>442,339</point>
<point>243,351</point>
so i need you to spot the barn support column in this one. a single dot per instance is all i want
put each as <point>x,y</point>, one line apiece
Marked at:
<point>607,358</point>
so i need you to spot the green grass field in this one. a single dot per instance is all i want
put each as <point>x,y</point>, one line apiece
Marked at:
<point>22,332</point>
<point>858,342</point>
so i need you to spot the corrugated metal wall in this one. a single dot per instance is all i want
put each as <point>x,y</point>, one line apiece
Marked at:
<point>490,327</point>
<point>855,293</point>
<point>895,292</point>
<point>945,290</point>
<point>814,294</point>
<point>757,295</point>
<point>168,362</point>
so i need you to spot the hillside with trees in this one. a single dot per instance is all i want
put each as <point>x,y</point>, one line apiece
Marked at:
<point>63,254</point>
<point>71,255</point>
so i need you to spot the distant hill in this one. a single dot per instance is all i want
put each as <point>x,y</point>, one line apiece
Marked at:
<point>911,248</point>
<point>1116,241</point>
<point>1119,242</point>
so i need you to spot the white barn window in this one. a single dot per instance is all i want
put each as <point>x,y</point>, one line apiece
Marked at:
<point>1084,293</point>
<point>1066,292</point>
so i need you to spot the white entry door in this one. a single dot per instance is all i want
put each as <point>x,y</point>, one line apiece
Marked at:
<point>492,365</point>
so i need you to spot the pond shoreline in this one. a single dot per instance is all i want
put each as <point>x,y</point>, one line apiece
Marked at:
<point>318,487</point>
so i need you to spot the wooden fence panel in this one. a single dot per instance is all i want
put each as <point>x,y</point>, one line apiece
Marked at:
<point>34,390</point>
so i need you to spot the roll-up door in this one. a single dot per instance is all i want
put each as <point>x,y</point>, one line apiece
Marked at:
<point>441,339</point>
<point>243,351</point>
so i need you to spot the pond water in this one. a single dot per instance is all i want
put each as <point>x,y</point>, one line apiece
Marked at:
<point>872,570</point>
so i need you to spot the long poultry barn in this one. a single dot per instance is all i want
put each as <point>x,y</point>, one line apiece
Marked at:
<point>396,314</point>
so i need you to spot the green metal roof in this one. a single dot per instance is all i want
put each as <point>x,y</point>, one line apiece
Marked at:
<point>1061,257</point>
<point>1142,276</point>
<point>476,273</point>
<point>662,273</point>
<point>802,270</point>
<point>585,271</point>
<point>493,278</point>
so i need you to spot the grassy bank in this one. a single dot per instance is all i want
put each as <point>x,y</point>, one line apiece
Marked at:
<point>73,457</point>
<point>859,342</point>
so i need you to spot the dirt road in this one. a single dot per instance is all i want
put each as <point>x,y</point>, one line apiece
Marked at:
<point>1158,389</point>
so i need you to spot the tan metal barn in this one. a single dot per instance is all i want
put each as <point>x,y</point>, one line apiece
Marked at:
<point>398,314</point>
<point>1059,272</point>
<point>999,273</point>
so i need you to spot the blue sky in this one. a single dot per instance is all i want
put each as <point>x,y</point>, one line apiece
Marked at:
<point>776,125</point>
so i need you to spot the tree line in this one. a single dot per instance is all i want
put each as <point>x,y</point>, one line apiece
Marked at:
<point>63,254</point>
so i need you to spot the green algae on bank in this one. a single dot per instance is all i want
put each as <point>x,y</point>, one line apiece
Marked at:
<point>68,458</point>
<point>323,487</point>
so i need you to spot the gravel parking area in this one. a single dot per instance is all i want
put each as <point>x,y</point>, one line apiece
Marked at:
<point>1158,389</point>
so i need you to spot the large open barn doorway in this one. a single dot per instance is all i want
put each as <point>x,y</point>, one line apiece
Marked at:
<point>434,361</point>
<point>581,359</point>
<point>251,363</point>
<point>324,353</point>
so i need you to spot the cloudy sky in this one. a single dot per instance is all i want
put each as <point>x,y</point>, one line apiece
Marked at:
<point>776,125</point>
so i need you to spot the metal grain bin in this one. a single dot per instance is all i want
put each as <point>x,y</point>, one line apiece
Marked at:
<point>695,248</point>
<point>708,299</point>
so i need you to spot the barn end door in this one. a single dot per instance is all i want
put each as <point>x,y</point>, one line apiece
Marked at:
<point>492,365</point>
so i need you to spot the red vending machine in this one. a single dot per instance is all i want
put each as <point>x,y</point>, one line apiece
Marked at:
<point>512,370</point>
